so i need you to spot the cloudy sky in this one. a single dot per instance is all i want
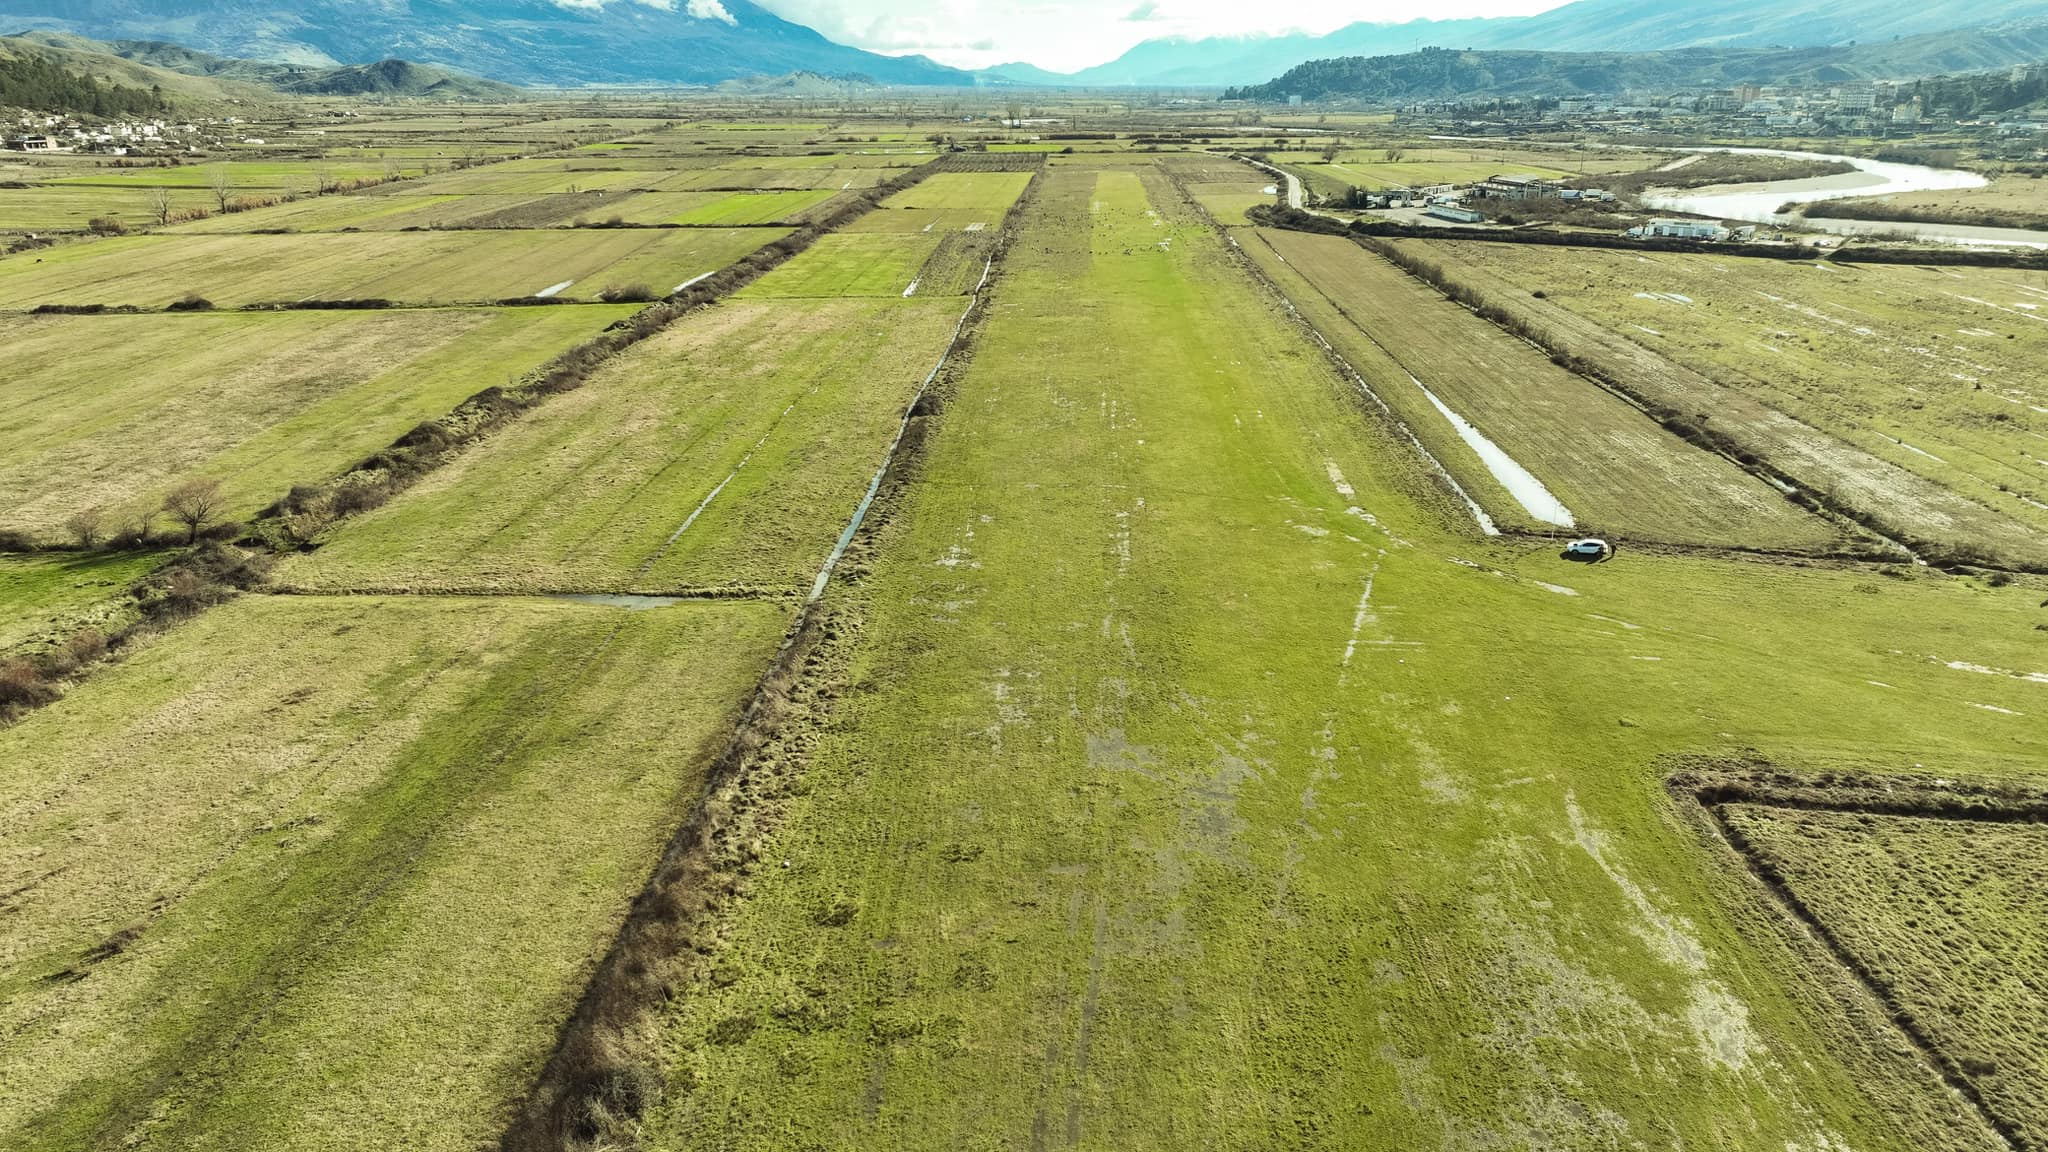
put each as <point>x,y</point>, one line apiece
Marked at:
<point>1067,34</point>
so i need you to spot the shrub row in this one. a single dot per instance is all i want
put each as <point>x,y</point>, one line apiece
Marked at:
<point>208,575</point>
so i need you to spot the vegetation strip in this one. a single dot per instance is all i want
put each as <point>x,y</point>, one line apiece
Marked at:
<point>605,1072</point>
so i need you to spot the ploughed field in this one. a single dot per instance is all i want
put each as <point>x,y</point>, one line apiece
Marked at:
<point>1048,665</point>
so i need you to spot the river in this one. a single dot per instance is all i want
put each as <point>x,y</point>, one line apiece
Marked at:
<point>1759,203</point>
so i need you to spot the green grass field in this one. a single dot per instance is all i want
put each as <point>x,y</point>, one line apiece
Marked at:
<point>989,193</point>
<point>47,598</point>
<point>755,426</point>
<point>241,175</point>
<point>1174,803</point>
<point>69,208</point>
<point>275,875</point>
<point>757,179</point>
<point>414,268</point>
<point>257,401</point>
<point>747,208</point>
<point>1173,761</point>
<point>849,264</point>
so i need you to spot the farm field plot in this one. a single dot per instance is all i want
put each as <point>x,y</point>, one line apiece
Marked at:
<point>45,598</point>
<point>250,175</point>
<point>748,208</point>
<point>1567,455</point>
<point>534,178</point>
<point>257,401</point>
<point>1934,369</point>
<point>70,208</point>
<point>850,264</point>
<point>1229,201</point>
<point>412,267</point>
<point>1946,917</point>
<point>727,452</point>
<point>2009,201</point>
<point>1403,167</point>
<point>1226,189</point>
<point>1192,786</point>
<point>311,874</point>
<point>776,179</point>
<point>1813,454</point>
<point>989,193</point>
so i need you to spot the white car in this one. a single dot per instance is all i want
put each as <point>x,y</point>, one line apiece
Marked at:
<point>1589,551</point>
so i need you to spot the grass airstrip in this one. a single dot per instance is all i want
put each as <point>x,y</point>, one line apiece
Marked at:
<point>1204,744</point>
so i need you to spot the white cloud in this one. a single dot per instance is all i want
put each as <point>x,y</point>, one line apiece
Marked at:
<point>1072,34</point>
<point>701,9</point>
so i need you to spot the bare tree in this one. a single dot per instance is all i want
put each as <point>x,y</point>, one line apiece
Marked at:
<point>84,526</point>
<point>192,504</point>
<point>1393,155</point>
<point>222,182</point>
<point>160,205</point>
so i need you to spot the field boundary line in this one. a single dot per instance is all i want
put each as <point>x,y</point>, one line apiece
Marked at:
<point>1704,794</point>
<point>860,513</point>
<point>1443,475</point>
<point>698,595</point>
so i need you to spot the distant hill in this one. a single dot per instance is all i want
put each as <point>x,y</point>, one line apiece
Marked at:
<point>383,78</point>
<point>1584,26</point>
<point>526,42</point>
<point>1445,74</point>
<point>179,90</point>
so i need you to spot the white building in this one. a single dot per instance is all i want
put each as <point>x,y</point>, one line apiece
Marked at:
<point>1682,230</point>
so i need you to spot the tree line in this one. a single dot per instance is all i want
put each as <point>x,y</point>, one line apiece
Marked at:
<point>44,85</point>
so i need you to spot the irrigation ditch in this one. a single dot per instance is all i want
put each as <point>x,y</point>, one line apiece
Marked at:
<point>1862,1000</point>
<point>606,1071</point>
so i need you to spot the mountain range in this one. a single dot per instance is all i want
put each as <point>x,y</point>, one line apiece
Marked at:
<point>171,67</point>
<point>526,42</point>
<point>1446,74</point>
<point>572,43</point>
<point>1582,26</point>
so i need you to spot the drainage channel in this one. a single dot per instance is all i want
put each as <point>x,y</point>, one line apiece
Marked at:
<point>860,514</point>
